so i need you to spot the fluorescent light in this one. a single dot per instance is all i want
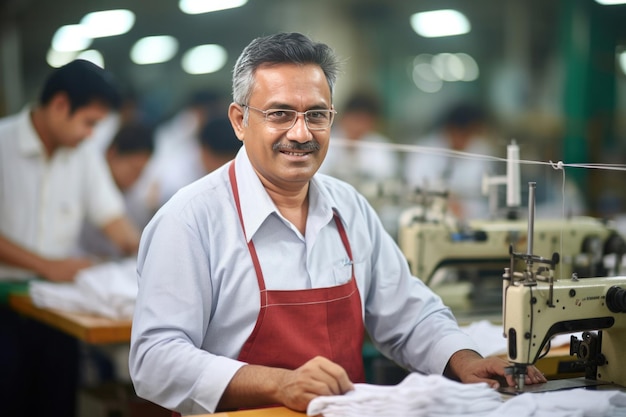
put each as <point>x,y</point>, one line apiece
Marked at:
<point>108,23</point>
<point>206,6</point>
<point>470,67</point>
<point>430,71</point>
<point>622,61</point>
<point>92,55</point>
<point>204,59</point>
<point>57,59</point>
<point>440,23</point>
<point>154,49</point>
<point>610,2</point>
<point>70,38</point>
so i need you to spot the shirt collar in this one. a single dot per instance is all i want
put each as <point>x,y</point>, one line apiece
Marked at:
<point>256,204</point>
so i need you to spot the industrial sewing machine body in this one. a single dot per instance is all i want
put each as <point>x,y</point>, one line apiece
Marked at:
<point>535,312</point>
<point>536,305</point>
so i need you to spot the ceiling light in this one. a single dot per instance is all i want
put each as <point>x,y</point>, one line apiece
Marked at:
<point>206,6</point>
<point>57,59</point>
<point>471,67</point>
<point>622,61</point>
<point>154,49</point>
<point>70,38</point>
<point>93,56</point>
<point>108,22</point>
<point>204,59</point>
<point>440,23</point>
<point>610,2</point>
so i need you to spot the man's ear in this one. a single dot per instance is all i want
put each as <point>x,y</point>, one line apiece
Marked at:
<point>235,114</point>
<point>60,103</point>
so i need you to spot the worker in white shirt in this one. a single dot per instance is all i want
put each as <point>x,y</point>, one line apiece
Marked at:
<point>50,182</point>
<point>258,282</point>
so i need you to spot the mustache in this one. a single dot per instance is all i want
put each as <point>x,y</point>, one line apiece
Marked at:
<point>297,146</point>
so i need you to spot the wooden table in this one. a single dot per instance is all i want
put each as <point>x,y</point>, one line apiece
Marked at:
<point>261,412</point>
<point>85,327</point>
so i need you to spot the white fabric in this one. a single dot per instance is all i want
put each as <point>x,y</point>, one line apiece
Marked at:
<point>434,395</point>
<point>417,395</point>
<point>108,290</point>
<point>43,202</point>
<point>199,299</point>
<point>577,402</point>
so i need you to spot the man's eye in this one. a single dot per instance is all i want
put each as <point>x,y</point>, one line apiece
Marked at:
<point>278,114</point>
<point>317,115</point>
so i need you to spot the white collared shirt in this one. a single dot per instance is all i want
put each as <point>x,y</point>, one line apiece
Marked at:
<point>199,297</point>
<point>43,202</point>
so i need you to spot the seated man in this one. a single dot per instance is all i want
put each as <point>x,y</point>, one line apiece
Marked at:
<point>257,282</point>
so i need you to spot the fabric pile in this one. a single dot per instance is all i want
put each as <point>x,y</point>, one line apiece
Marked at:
<point>577,402</point>
<point>434,395</point>
<point>108,290</point>
<point>416,396</point>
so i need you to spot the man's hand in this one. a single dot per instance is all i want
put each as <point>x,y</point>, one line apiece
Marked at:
<point>255,386</point>
<point>319,376</point>
<point>468,366</point>
<point>64,270</point>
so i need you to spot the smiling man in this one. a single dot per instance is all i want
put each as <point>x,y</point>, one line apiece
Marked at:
<point>258,282</point>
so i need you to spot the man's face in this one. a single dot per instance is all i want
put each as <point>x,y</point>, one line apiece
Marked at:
<point>71,128</point>
<point>271,152</point>
<point>127,168</point>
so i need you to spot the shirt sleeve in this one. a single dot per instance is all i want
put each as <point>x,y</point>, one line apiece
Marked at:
<point>167,363</point>
<point>406,320</point>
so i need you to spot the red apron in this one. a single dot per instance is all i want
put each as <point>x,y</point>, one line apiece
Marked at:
<point>294,326</point>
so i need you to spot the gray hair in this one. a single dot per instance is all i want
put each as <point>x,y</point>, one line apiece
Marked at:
<point>293,48</point>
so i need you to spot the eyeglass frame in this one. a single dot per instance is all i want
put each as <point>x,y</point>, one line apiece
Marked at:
<point>332,113</point>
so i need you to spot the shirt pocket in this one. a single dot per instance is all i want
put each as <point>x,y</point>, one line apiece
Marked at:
<point>342,272</point>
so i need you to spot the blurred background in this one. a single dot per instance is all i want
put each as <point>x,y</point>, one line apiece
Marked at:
<point>550,74</point>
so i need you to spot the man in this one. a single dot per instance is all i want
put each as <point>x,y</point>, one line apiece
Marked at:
<point>127,156</point>
<point>49,184</point>
<point>356,125</point>
<point>218,143</point>
<point>257,282</point>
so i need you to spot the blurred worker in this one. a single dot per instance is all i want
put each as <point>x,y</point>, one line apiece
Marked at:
<point>50,182</point>
<point>258,282</point>
<point>372,170</point>
<point>357,124</point>
<point>462,128</point>
<point>127,156</point>
<point>176,160</point>
<point>218,143</point>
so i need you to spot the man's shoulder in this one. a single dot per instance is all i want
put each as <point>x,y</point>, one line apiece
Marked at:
<point>9,123</point>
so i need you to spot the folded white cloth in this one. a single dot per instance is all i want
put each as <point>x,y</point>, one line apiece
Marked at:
<point>418,395</point>
<point>434,395</point>
<point>108,289</point>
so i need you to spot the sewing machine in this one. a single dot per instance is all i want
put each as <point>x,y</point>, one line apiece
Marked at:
<point>463,262</point>
<point>537,305</point>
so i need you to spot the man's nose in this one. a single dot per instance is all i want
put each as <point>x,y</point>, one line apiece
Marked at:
<point>300,131</point>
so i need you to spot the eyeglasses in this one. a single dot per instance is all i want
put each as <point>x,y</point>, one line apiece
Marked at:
<point>284,119</point>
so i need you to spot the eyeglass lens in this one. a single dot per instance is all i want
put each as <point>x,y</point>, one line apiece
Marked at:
<point>286,119</point>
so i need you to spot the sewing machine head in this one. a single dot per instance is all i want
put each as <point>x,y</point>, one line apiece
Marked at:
<point>537,306</point>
